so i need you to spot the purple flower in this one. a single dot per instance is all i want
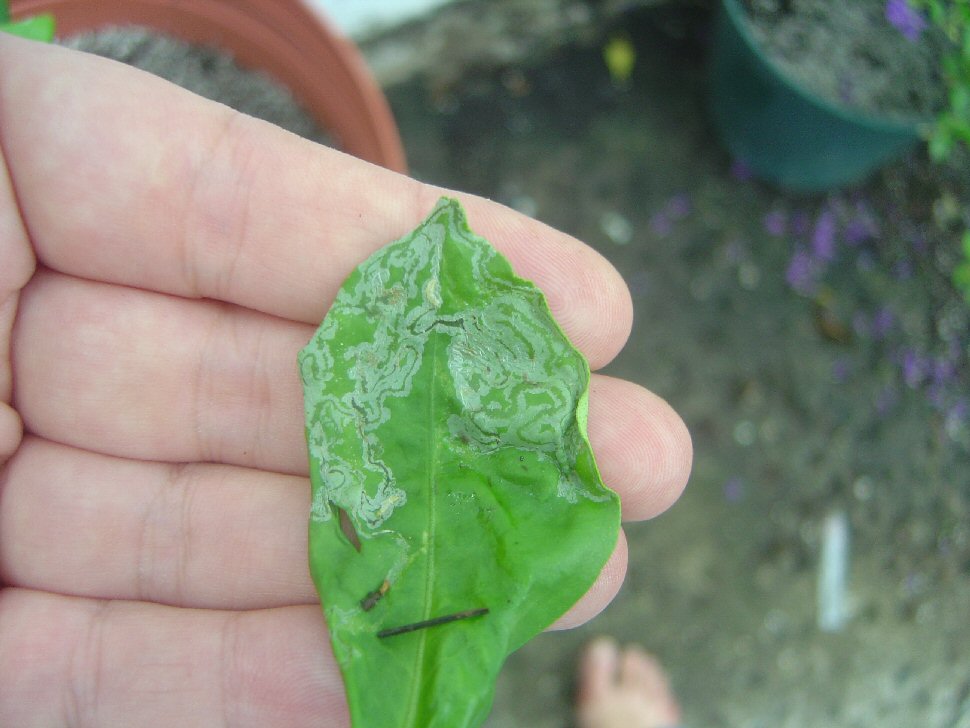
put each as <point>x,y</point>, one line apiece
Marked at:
<point>801,272</point>
<point>741,171</point>
<point>733,489</point>
<point>882,322</point>
<point>914,368</point>
<point>823,236</point>
<point>679,206</point>
<point>943,370</point>
<point>676,208</point>
<point>842,369</point>
<point>877,326</point>
<point>800,222</point>
<point>856,232</point>
<point>936,395</point>
<point>905,19</point>
<point>886,399</point>
<point>917,239</point>
<point>957,414</point>
<point>862,226</point>
<point>661,225</point>
<point>775,223</point>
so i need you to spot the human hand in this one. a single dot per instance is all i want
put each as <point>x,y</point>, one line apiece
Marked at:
<point>162,260</point>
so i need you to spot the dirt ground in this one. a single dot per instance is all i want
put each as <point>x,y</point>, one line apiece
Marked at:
<point>796,407</point>
<point>813,345</point>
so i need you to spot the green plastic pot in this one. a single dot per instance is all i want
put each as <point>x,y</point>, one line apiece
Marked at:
<point>784,133</point>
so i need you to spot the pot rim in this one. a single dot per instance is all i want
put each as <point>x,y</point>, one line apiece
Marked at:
<point>894,123</point>
<point>289,40</point>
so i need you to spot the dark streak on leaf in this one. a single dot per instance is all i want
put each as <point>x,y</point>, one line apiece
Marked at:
<point>347,527</point>
<point>435,622</point>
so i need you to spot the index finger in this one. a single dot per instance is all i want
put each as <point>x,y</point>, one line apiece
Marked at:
<point>124,178</point>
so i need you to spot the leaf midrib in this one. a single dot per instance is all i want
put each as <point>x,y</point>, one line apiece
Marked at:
<point>432,460</point>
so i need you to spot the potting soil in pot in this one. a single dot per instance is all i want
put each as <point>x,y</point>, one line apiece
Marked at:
<point>204,70</point>
<point>853,54</point>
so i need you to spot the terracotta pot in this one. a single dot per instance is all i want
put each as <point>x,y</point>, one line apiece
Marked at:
<point>294,44</point>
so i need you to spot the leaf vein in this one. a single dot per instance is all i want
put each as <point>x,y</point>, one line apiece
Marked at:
<point>432,477</point>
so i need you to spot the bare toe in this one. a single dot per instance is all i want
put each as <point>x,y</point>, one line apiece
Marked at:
<point>598,667</point>
<point>623,690</point>
<point>641,673</point>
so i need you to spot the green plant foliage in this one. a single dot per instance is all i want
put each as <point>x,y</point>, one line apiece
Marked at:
<point>453,482</point>
<point>37,27</point>
<point>952,126</point>
<point>953,123</point>
<point>961,273</point>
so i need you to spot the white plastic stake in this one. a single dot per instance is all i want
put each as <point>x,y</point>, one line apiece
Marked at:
<point>833,573</point>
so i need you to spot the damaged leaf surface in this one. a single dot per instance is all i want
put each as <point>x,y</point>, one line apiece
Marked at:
<point>451,474</point>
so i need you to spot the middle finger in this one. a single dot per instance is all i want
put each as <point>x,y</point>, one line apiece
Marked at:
<point>145,375</point>
<point>155,377</point>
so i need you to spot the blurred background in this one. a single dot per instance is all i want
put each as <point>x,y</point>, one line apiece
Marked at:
<point>360,18</point>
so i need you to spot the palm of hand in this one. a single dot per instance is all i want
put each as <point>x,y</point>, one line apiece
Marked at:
<point>163,260</point>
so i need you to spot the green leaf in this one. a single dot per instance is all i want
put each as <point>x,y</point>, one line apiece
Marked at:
<point>37,27</point>
<point>451,472</point>
<point>941,143</point>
